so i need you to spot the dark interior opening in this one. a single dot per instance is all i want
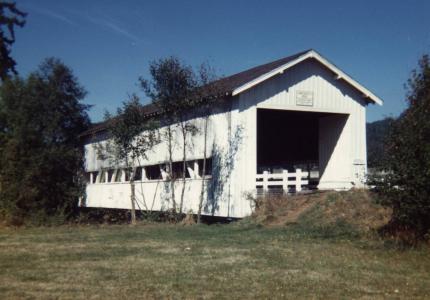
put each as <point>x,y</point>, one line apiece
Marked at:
<point>286,140</point>
<point>138,174</point>
<point>153,172</point>
<point>110,174</point>
<point>208,166</point>
<point>95,174</point>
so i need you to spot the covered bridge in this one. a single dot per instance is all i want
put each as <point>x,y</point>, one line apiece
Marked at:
<point>294,124</point>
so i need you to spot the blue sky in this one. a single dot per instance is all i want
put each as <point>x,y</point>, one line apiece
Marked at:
<point>109,44</point>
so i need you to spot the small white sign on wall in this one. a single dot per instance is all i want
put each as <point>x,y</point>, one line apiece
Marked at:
<point>305,98</point>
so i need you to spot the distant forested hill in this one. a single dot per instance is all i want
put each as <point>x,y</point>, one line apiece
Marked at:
<point>376,133</point>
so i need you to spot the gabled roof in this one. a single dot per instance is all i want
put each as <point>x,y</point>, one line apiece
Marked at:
<point>245,80</point>
<point>235,84</point>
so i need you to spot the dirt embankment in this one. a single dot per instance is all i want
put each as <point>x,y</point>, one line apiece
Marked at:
<point>357,208</point>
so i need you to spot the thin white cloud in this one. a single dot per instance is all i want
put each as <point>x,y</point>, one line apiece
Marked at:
<point>115,28</point>
<point>108,23</point>
<point>54,15</point>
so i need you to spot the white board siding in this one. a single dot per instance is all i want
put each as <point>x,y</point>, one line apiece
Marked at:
<point>159,153</point>
<point>334,149</point>
<point>330,95</point>
<point>244,155</point>
<point>152,195</point>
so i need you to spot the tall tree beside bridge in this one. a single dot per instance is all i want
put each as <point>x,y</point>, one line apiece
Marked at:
<point>10,17</point>
<point>171,90</point>
<point>179,92</point>
<point>406,187</point>
<point>41,157</point>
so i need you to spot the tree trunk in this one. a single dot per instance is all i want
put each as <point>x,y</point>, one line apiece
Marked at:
<point>172,180</point>
<point>133,201</point>
<point>132,197</point>
<point>184,166</point>
<point>202,192</point>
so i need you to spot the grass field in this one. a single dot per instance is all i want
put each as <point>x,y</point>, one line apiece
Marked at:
<point>239,260</point>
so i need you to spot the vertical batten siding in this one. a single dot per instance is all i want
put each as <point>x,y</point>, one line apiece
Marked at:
<point>334,149</point>
<point>330,95</point>
<point>245,156</point>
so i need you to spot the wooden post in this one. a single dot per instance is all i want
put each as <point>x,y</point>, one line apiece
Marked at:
<point>285,180</point>
<point>298,180</point>
<point>265,181</point>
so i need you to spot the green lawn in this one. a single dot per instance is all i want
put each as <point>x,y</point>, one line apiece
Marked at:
<point>218,261</point>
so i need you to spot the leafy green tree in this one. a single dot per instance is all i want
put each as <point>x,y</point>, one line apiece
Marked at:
<point>41,158</point>
<point>10,17</point>
<point>171,90</point>
<point>131,135</point>
<point>406,186</point>
<point>181,93</point>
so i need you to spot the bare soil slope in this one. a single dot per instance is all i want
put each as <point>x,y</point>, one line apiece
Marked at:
<point>356,208</point>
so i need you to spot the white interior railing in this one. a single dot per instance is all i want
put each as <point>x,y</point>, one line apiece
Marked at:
<point>284,179</point>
